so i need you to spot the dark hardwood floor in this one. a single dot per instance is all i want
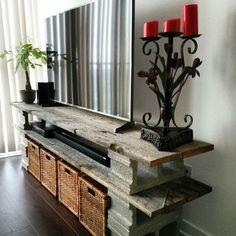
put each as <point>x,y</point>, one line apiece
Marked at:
<point>28,209</point>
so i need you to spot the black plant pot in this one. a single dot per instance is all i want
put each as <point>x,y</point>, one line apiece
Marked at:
<point>28,96</point>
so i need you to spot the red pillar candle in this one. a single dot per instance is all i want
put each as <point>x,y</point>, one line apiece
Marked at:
<point>171,25</point>
<point>150,29</point>
<point>190,20</point>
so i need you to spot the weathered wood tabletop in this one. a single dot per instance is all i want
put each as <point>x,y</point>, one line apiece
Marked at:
<point>99,129</point>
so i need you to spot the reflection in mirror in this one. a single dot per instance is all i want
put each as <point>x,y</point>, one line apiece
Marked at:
<point>90,48</point>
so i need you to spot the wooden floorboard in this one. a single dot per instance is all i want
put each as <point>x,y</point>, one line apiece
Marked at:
<point>28,209</point>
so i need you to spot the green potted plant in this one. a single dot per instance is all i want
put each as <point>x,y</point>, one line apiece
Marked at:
<point>26,56</point>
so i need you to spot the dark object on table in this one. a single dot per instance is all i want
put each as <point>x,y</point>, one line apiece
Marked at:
<point>166,78</point>
<point>45,93</point>
<point>175,138</point>
<point>46,130</point>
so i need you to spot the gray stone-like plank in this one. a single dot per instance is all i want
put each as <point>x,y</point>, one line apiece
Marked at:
<point>99,129</point>
<point>152,202</point>
<point>123,219</point>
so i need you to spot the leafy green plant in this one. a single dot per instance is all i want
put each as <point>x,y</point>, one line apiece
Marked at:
<point>26,56</point>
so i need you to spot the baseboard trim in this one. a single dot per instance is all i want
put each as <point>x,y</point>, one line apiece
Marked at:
<point>24,164</point>
<point>189,229</point>
<point>10,154</point>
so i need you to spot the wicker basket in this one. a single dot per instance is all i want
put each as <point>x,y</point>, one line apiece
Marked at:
<point>68,189</point>
<point>94,203</point>
<point>34,159</point>
<point>49,171</point>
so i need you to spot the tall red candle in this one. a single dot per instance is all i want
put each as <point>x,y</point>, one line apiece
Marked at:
<point>171,25</point>
<point>190,20</point>
<point>150,29</point>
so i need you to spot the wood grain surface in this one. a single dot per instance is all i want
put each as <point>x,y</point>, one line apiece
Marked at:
<point>99,129</point>
<point>152,202</point>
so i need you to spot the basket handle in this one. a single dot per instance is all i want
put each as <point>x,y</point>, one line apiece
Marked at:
<point>32,145</point>
<point>67,171</point>
<point>48,157</point>
<point>91,192</point>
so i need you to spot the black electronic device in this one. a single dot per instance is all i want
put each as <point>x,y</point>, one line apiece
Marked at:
<point>95,152</point>
<point>91,61</point>
<point>46,130</point>
<point>46,93</point>
<point>82,145</point>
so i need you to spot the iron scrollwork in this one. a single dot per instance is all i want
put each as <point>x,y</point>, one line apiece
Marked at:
<point>167,76</point>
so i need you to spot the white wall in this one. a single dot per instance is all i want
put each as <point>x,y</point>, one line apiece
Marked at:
<point>214,105</point>
<point>211,99</point>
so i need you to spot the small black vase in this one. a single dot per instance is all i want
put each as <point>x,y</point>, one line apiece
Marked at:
<point>28,96</point>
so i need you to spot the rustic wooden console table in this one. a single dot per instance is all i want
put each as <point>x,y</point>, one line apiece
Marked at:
<point>147,187</point>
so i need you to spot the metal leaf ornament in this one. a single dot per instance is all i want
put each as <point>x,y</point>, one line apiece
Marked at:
<point>151,81</point>
<point>166,78</point>
<point>176,77</point>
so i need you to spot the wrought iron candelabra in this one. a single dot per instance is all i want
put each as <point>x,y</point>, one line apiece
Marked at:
<point>166,78</point>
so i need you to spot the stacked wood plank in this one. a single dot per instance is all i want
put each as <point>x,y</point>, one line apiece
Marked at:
<point>147,187</point>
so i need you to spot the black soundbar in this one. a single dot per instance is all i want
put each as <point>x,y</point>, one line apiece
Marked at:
<point>44,129</point>
<point>96,153</point>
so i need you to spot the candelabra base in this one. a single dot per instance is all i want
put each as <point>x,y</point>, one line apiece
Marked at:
<point>175,137</point>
